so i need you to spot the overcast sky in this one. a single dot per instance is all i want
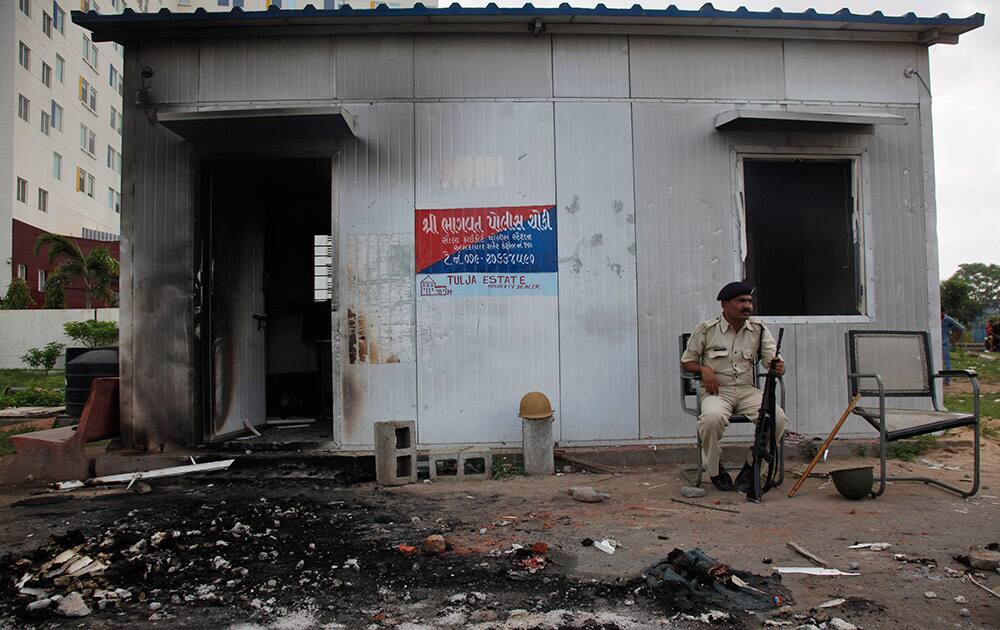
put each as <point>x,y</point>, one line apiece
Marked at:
<point>965,82</point>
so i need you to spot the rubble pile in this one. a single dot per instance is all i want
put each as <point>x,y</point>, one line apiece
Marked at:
<point>691,580</point>
<point>211,557</point>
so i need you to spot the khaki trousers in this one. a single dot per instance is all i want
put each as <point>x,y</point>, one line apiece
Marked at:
<point>715,413</point>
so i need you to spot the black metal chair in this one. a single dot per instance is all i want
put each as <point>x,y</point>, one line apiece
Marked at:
<point>691,386</point>
<point>899,364</point>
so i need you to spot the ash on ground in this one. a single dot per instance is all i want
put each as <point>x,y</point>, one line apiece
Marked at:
<point>283,556</point>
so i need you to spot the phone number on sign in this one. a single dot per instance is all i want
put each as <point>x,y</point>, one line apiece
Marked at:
<point>491,259</point>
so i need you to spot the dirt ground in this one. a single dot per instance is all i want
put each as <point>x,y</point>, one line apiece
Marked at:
<point>245,549</point>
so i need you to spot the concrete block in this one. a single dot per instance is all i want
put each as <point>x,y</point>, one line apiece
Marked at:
<point>465,465</point>
<point>537,442</point>
<point>395,452</point>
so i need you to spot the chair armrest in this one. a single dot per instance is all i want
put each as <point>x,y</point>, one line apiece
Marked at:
<point>878,380</point>
<point>968,373</point>
<point>696,381</point>
<point>973,378</point>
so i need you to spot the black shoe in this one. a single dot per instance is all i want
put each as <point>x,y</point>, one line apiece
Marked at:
<point>723,481</point>
<point>744,479</point>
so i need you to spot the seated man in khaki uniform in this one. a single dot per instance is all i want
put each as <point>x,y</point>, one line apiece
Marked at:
<point>724,351</point>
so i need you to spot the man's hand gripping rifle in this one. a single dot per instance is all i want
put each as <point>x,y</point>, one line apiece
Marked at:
<point>765,440</point>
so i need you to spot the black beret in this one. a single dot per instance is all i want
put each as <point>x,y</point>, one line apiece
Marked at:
<point>734,289</point>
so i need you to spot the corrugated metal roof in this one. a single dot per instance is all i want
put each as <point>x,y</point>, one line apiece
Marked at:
<point>130,24</point>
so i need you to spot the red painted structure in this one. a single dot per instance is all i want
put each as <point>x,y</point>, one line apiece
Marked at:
<point>25,236</point>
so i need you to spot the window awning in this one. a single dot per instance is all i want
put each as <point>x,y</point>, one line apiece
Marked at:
<point>803,121</point>
<point>308,128</point>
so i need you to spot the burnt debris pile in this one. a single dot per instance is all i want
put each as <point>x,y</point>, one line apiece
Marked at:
<point>691,581</point>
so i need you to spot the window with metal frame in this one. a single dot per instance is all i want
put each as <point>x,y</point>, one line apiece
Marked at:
<point>45,124</point>
<point>57,116</point>
<point>22,271</point>
<point>23,108</point>
<point>24,6</point>
<point>22,190</point>
<point>43,200</point>
<point>46,74</point>
<point>43,277</point>
<point>88,140</point>
<point>803,236</point>
<point>60,69</point>
<point>24,55</point>
<point>57,161</point>
<point>47,24</point>
<point>58,18</point>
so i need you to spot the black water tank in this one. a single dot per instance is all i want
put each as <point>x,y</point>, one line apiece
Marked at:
<point>81,371</point>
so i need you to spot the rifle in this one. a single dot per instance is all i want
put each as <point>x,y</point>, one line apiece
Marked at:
<point>765,440</point>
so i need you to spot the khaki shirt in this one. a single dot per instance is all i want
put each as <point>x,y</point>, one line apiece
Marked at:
<point>731,354</point>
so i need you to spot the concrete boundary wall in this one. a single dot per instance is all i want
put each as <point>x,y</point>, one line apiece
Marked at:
<point>33,328</point>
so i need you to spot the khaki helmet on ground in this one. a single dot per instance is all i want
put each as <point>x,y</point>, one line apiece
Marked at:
<point>535,406</point>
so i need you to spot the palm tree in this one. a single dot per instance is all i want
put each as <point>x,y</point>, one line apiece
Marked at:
<point>97,271</point>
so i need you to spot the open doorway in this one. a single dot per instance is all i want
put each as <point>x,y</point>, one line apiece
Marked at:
<point>267,355</point>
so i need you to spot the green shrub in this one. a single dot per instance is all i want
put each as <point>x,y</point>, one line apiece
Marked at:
<point>93,333</point>
<point>44,358</point>
<point>505,468</point>
<point>908,450</point>
<point>35,397</point>
<point>18,296</point>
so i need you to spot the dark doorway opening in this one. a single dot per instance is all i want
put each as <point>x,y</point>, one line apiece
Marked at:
<point>804,249</point>
<point>267,353</point>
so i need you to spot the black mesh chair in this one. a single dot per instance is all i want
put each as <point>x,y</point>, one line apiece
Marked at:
<point>897,364</point>
<point>691,387</point>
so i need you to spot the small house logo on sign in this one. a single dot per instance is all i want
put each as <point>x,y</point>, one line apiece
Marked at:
<point>430,288</point>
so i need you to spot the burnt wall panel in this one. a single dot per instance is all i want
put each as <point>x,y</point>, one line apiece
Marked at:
<point>159,263</point>
<point>173,63</point>
<point>374,188</point>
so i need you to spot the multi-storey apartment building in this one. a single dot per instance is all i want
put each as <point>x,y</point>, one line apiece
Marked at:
<point>60,132</point>
<point>61,124</point>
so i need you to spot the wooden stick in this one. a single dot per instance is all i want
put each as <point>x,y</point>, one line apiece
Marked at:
<point>985,588</point>
<point>587,464</point>
<point>707,507</point>
<point>826,444</point>
<point>808,555</point>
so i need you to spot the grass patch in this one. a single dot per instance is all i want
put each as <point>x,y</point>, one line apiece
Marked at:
<point>908,450</point>
<point>31,388</point>
<point>6,448</point>
<point>989,371</point>
<point>504,468</point>
<point>31,378</point>
<point>989,404</point>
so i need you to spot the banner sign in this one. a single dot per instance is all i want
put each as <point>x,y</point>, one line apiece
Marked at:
<point>486,251</point>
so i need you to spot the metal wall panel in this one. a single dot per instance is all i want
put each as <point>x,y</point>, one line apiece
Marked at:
<point>267,69</point>
<point>850,71</point>
<point>471,66</point>
<point>173,63</point>
<point>598,362</point>
<point>590,65</point>
<point>685,246</point>
<point>374,189</point>
<point>161,242</point>
<point>477,356</point>
<point>375,67</point>
<point>696,67</point>
<point>684,225</point>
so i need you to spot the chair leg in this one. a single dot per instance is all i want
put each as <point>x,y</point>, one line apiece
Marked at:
<point>695,479</point>
<point>940,484</point>
<point>881,461</point>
